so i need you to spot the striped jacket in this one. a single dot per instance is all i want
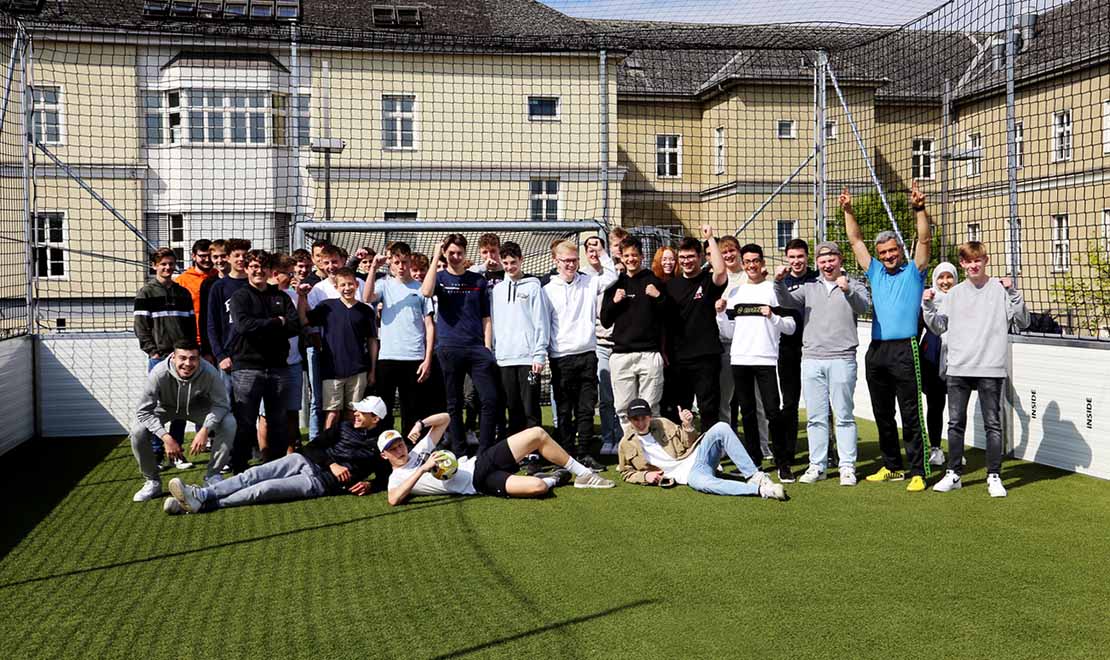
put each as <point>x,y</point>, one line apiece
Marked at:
<point>163,315</point>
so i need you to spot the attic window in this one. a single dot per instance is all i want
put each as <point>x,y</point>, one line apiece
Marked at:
<point>183,8</point>
<point>388,16</point>
<point>235,9</point>
<point>156,7</point>
<point>262,9</point>
<point>210,9</point>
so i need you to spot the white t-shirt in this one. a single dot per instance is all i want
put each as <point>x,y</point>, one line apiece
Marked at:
<point>676,469</point>
<point>325,290</point>
<point>460,484</point>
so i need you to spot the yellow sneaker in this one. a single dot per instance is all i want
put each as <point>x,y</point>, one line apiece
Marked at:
<point>886,475</point>
<point>916,485</point>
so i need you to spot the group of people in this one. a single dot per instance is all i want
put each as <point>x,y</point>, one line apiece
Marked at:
<point>710,327</point>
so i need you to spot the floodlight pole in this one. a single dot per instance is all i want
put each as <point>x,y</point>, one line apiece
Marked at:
<point>867,161</point>
<point>820,184</point>
<point>1011,146</point>
<point>328,146</point>
<point>26,118</point>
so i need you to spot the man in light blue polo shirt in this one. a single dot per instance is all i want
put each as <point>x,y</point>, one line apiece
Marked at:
<point>407,337</point>
<point>896,288</point>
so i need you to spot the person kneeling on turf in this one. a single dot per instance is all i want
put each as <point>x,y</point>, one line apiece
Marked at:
<point>656,452</point>
<point>492,472</point>
<point>335,462</point>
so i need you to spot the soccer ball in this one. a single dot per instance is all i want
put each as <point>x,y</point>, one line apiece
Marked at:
<point>446,465</point>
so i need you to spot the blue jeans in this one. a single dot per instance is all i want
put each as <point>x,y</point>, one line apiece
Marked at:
<point>177,426</point>
<point>825,382</point>
<point>316,387</point>
<point>610,423</point>
<point>291,477</point>
<point>721,439</point>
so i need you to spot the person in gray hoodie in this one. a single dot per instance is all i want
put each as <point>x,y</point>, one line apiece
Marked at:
<point>521,327</point>
<point>181,387</point>
<point>829,340</point>
<point>975,321</point>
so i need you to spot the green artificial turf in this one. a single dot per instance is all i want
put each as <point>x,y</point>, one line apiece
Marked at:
<point>864,572</point>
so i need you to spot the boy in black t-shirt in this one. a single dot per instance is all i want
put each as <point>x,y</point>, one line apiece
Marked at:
<point>694,347</point>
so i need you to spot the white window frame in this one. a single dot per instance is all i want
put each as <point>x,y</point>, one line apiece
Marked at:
<point>667,150</point>
<point>46,245</point>
<point>974,162</point>
<point>1019,143</point>
<point>175,222</point>
<point>720,150</point>
<point>40,108</point>
<point>394,141</point>
<point>1106,233</point>
<point>974,231</point>
<point>558,107</point>
<point>830,129</point>
<point>791,135</point>
<point>300,128</point>
<point>780,244</point>
<point>1062,136</point>
<point>206,104</point>
<point>1012,245</point>
<point>1061,243</point>
<point>922,154</point>
<point>1106,127</point>
<point>544,196</point>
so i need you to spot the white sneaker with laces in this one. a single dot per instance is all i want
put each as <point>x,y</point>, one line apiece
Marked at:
<point>592,480</point>
<point>812,475</point>
<point>150,490</point>
<point>936,456</point>
<point>172,507</point>
<point>182,464</point>
<point>760,478</point>
<point>769,490</point>
<point>950,481</point>
<point>847,475</point>
<point>994,486</point>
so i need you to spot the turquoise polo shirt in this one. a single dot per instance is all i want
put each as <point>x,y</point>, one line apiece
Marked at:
<point>896,298</point>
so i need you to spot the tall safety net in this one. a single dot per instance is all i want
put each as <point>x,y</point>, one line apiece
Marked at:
<point>134,124</point>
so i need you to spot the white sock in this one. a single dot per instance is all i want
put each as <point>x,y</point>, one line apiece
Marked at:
<point>550,481</point>
<point>576,468</point>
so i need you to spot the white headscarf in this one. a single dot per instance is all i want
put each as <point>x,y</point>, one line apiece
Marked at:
<point>943,267</point>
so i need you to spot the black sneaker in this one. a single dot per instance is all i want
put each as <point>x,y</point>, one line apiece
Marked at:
<point>591,463</point>
<point>786,475</point>
<point>562,476</point>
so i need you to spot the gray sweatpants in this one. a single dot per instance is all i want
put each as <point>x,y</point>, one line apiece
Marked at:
<point>222,438</point>
<point>291,477</point>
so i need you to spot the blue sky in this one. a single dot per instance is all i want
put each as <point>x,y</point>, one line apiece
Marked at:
<point>869,12</point>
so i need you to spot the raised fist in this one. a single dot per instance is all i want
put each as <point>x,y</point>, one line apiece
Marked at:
<point>651,291</point>
<point>618,295</point>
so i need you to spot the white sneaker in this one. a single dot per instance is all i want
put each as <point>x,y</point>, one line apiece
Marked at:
<point>172,507</point>
<point>847,475</point>
<point>936,456</point>
<point>186,496</point>
<point>812,475</point>
<point>150,490</point>
<point>769,490</point>
<point>950,481</point>
<point>182,464</point>
<point>760,478</point>
<point>592,480</point>
<point>994,486</point>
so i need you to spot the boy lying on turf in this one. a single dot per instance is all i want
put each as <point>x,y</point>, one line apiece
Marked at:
<point>656,452</point>
<point>492,472</point>
<point>336,462</point>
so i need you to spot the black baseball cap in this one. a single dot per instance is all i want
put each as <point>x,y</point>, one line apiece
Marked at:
<point>638,408</point>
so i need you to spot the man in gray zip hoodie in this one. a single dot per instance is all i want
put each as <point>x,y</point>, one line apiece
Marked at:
<point>829,341</point>
<point>181,387</point>
<point>521,326</point>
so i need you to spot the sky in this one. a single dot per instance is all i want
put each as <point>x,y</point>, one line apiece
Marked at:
<point>868,12</point>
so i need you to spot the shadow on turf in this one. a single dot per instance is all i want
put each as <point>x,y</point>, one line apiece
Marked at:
<point>41,473</point>
<point>228,544</point>
<point>558,625</point>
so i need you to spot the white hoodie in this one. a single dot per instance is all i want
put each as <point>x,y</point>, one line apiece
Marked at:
<point>574,309</point>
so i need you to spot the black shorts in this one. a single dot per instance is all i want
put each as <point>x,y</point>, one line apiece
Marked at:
<point>493,468</point>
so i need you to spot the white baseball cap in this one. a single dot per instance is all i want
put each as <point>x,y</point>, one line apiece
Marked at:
<point>387,438</point>
<point>373,405</point>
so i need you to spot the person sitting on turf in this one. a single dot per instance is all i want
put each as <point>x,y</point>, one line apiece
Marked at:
<point>336,462</point>
<point>493,472</point>
<point>181,387</point>
<point>656,452</point>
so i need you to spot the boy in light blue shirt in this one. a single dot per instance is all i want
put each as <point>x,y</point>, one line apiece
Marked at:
<point>406,337</point>
<point>521,323</point>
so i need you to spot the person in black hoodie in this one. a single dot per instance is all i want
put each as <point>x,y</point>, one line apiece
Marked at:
<point>790,355</point>
<point>635,308</point>
<point>263,319</point>
<point>337,462</point>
